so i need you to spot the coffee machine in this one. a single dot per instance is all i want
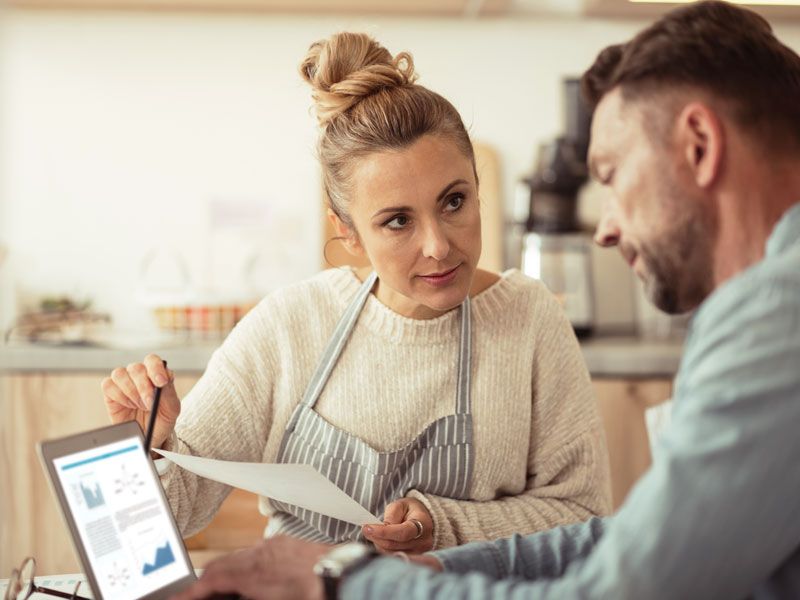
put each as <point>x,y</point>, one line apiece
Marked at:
<point>554,248</point>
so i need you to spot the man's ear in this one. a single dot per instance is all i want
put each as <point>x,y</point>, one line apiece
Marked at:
<point>346,234</point>
<point>700,134</point>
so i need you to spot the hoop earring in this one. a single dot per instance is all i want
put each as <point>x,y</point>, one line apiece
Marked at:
<point>325,250</point>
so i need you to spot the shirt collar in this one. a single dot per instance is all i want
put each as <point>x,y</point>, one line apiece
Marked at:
<point>786,233</point>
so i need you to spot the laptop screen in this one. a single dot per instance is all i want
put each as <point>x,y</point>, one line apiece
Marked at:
<point>122,519</point>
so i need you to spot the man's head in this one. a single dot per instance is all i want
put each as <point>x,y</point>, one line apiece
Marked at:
<point>669,104</point>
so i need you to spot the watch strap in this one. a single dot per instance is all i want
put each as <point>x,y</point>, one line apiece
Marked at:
<point>331,587</point>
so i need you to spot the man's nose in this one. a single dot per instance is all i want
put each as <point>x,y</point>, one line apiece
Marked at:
<point>435,243</point>
<point>607,234</point>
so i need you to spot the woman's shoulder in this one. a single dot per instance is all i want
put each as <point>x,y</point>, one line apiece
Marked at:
<point>293,310</point>
<point>509,287</point>
<point>517,305</point>
<point>330,287</point>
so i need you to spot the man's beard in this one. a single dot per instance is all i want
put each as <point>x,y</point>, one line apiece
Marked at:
<point>678,273</point>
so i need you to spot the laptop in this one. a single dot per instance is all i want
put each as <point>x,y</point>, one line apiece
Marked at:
<point>117,514</point>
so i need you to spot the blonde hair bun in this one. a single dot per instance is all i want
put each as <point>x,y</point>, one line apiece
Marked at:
<point>348,67</point>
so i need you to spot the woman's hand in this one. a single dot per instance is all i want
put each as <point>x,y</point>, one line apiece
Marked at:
<point>401,529</point>
<point>128,395</point>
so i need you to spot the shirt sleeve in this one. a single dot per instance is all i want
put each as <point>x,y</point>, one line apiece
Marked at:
<point>714,517</point>
<point>499,570</point>
<point>226,417</point>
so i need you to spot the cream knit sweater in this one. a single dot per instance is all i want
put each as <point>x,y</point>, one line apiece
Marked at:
<point>540,454</point>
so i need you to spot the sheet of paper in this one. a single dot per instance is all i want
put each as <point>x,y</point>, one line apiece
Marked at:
<point>300,485</point>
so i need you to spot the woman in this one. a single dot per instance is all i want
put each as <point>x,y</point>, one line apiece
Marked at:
<point>450,400</point>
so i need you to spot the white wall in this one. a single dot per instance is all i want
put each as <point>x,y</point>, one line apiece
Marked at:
<point>120,128</point>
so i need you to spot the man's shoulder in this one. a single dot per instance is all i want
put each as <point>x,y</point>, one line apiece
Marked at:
<point>771,285</point>
<point>748,333</point>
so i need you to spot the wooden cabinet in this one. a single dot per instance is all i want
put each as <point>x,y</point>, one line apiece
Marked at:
<point>40,406</point>
<point>622,404</point>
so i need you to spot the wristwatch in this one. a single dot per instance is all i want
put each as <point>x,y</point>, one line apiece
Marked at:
<point>340,561</point>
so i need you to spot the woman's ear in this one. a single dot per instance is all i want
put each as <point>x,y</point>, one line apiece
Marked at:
<point>701,134</point>
<point>346,234</point>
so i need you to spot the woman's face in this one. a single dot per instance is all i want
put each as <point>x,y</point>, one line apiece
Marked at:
<point>417,218</point>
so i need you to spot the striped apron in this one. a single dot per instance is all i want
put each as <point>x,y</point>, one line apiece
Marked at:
<point>439,461</point>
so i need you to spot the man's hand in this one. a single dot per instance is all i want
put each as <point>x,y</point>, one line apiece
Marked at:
<point>280,567</point>
<point>427,560</point>
<point>402,521</point>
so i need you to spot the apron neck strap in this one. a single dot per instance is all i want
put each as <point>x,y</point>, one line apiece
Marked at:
<point>464,360</point>
<point>336,344</point>
<point>345,327</point>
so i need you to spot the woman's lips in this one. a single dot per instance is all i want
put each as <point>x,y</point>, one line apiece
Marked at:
<point>442,278</point>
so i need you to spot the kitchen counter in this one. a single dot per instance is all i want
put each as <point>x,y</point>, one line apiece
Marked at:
<point>605,357</point>
<point>625,356</point>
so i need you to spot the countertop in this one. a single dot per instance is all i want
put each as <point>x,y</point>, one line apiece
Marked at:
<point>626,356</point>
<point>617,356</point>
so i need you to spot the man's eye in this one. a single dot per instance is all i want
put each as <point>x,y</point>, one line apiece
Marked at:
<point>397,222</point>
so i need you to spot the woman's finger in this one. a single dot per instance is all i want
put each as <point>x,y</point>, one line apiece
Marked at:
<point>123,381</point>
<point>392,546</point>
<point>395,512</point>
<point>113,394</point>
<point>144,387</point>
<point>157,373</point>
<point>404,532</point>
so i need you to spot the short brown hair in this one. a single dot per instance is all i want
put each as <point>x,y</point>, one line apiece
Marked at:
<point>367,101</point>
<point>726,50</point>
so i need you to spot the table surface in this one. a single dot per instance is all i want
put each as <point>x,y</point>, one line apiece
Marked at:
<point>66,582</point>
<point>62,583</point>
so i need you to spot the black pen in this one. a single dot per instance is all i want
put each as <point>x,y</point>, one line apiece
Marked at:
<point>151,423</point>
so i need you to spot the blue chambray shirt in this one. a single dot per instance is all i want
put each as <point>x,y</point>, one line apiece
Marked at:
<point>718,513</point>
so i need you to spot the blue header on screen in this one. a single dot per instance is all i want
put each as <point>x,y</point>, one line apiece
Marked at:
<point>101,457</point>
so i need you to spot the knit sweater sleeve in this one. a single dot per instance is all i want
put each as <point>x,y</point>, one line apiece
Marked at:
<point>225,416</point>
<point>568,477</point>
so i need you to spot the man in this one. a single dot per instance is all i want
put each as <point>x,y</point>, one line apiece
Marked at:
<point>697,134</point>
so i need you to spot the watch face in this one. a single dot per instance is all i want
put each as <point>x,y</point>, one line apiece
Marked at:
<point>336,562</point>
<point>348,553</point>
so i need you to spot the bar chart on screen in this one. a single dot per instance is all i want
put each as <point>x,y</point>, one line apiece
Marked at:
<point>93,495</point>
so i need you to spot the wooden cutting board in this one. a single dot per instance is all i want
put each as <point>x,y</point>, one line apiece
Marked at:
<point>488,167</point>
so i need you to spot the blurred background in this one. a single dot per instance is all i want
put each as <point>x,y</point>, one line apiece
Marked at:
<point>158,177</point>
<point>162,152</point>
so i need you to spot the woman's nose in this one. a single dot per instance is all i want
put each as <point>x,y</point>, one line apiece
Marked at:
<point>435,243</point>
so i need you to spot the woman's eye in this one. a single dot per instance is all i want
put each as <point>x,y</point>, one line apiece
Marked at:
<point>454,202</point>
<point>397,222</point>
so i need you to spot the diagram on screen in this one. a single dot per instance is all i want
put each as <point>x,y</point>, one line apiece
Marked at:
<point>130,483</point>
<point>92,494</point>
<point>155,557</point>
<point>119,576</point>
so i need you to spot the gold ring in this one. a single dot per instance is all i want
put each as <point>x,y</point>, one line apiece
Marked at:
<point>419,527</point>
